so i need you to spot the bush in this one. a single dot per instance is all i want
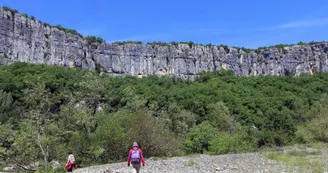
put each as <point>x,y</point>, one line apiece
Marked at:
<point>318,128</point>
<point>190,44</point>
<point>303,135</point>
<point>179,121</point>
<point>224,143</point>
<point>93,39</point>
<point>59,27</point>
<point>272,138</point>
<point>219,116</point>
<point>111,135</point>
<point>117,131</point>
<point>198,139</point>
<point>247,50</point>
<point>46,24</point>
<point>208,45</point>
<point>126,42</point>
<point>225,47</point>
<point>10,9</point>
<point>175,44</point>
<point>279,46</point>
<point>6,101</point>
<point>153,135</point>
<point>153,44</point>
<point>71,31</point>
<point>100,40</point>
<point>25,15</point>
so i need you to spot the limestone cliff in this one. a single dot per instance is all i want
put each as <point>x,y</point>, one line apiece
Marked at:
<point>27,40</point>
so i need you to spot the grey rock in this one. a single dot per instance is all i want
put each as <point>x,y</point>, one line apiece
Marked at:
<point>220,169</point>
<point>26,40</point>
<point>55,165</point>
<point>8,169</point>
<point>99,108</point>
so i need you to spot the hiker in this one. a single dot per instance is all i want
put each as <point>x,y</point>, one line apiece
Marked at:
<point>70,162</point>
<point>135,157</point>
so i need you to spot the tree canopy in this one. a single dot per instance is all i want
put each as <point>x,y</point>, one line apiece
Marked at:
<point>46,111</point>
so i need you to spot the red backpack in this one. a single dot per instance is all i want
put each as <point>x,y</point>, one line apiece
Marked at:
<point>68,165</point>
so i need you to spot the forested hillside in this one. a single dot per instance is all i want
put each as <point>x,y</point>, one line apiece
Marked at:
<point>46,111</point>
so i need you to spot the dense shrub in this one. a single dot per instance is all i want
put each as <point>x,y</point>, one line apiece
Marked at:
<point>126,42</point>
<point>10,9</point>
<point>93,39</point>
<point>153,135</point>
<point>198,139</point>
<point>190,44</point>
<point>225,47</point>
<point>224,143</point>
<point>25,15</point>
<point>71,31</point>
<point>219,116</point>
<point>157,43</point>
<point>317,128</point>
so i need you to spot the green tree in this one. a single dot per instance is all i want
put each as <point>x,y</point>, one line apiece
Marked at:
<point>153,135</point>
<point>7,136</point>
<point>131,99</point>
<point>219,116</point>
<point>179,121</point>
<point>317,127</point>
<point>38,97</point>
<point>42,132</point>
<point>111,135</point>
<point>198,139</point>
<point>6,103</point>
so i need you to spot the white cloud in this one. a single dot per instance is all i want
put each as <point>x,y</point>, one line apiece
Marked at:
<point>299,24</point>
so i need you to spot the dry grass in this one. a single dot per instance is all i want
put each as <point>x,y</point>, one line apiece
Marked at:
<point>299,160</point>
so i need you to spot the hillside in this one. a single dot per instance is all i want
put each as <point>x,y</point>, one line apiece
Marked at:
<point>47,111</point>
<point>26,39</point>
<point>62,92</point>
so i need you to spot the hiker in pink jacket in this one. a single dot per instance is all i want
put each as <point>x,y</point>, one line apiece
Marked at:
<point>135,157</point>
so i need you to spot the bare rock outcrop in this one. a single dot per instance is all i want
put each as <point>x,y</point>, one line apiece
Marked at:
<point>27,40</point>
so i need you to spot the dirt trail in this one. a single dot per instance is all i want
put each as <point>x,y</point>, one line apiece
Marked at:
<point>239,163</point>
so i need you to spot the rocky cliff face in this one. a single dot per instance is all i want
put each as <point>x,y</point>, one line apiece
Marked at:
<point>26,40</point>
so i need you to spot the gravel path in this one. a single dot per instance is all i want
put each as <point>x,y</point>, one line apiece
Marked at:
<point>247,162</point>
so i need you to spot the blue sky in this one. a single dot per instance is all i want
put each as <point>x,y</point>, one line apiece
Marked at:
<point>248,23</point>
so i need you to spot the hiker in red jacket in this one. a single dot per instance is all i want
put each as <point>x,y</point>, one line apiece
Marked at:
<point>135,157</point>
<point>70,164</point>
